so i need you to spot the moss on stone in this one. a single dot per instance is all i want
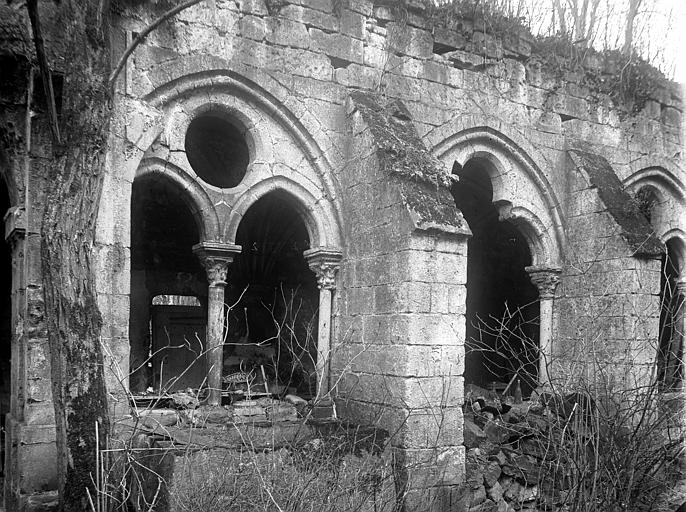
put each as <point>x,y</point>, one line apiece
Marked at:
<point>424,185</point>
<point>624,209</point>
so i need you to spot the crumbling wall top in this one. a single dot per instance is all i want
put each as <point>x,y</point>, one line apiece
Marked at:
<point>463,31</point>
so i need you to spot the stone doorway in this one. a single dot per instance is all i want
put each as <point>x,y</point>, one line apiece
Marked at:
<point>502,307</point>
<point>163,232</point>
<point>272,324</point>
<point>178,329</point>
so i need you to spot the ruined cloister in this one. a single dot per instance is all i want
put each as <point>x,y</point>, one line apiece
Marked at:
<point>408,200</point>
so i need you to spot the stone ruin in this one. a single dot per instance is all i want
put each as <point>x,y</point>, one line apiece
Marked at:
<point>378,196</point>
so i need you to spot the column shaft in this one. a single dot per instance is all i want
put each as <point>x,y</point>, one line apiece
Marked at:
<point>679,334</point>
<point>324,263</point>
<point>324,341</point>
<point>216,258</point>
<point>545,339</point>
<point>215,342</point>
<point>545,279</point>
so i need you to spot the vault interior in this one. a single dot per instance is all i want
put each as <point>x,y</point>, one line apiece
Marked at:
<point>272,323</point>
<point>502,332</point>
<point>166,338</point>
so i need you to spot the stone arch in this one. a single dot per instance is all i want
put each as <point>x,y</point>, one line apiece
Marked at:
<point>534,231</point>
<point>660,172</point>
<point>678,238</point>
<point>191,192</point>
<point>660,179</point>
<point>316,214</point>
<point>670,194</point>
<point>518,182</point>
<point>224,81</point>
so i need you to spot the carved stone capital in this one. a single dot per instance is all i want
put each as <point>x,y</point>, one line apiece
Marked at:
<point>324,263</point>
<point>216,258</point>
<point>15,224</point>
<point>545,279</point>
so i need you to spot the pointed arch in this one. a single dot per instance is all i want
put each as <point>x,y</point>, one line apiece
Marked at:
<point>192,193</point>
<point>224,81</point>
<point>670,195</point>
<point>677,238</point>
<point>517,179</point>
<point>317,215</point>
<point>662,175</point>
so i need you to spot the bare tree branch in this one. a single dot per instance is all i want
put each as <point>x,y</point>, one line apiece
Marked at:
<point>141,36</point>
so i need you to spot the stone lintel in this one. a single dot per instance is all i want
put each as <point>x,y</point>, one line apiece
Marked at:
<point>324,262</point>
<point>545,278</point>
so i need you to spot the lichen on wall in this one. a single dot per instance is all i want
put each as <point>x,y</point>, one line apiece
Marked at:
<point>634,228</point>
<point>424,184</point>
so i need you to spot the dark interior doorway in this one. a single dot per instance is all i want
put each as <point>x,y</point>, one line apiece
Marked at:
<point>164,338</point>
<point>671,339</point>
<point>273,322</point>
<point>5,325</point>
<point>502,336</point>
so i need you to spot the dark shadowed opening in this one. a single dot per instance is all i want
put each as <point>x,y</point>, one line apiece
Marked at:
<point>166,338</point>
<point>671,339</point>
<point>273,324</point>
<point>5,325</point>
<point>502,338</point>
<point>647,200</point>
<point>217,151</point>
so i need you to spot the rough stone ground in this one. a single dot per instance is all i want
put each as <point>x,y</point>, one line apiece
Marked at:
<point>219,458</point>
<point>517,461</point>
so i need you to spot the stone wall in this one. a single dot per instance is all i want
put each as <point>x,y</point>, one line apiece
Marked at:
<point>288,72</point>
<point>29,473</point>
<point>609,301</point>
<point>399,355</point>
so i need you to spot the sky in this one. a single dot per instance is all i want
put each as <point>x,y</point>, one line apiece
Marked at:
<point>659,28</point>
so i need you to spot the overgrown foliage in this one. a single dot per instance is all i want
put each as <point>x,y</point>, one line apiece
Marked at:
<point>596,438</point>
<point>620,72</point>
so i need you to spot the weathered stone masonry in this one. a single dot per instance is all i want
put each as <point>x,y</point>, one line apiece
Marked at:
<point>356,117</point>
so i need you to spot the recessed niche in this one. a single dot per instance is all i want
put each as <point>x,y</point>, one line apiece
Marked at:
<point>217,151</point>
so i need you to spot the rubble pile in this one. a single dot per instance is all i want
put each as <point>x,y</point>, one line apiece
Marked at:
<point>556,450</point>
<point>510,463</point>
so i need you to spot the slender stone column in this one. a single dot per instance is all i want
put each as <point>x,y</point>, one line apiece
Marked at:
<point>216,258</point>
<point>680,328</point>
<point>546,280</point>
<point>324,263</point>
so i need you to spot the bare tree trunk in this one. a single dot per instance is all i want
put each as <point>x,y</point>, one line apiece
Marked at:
<point>592,20</point>
<point>71,202</point>
<point>629,26</point>
<point>561,15</point>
